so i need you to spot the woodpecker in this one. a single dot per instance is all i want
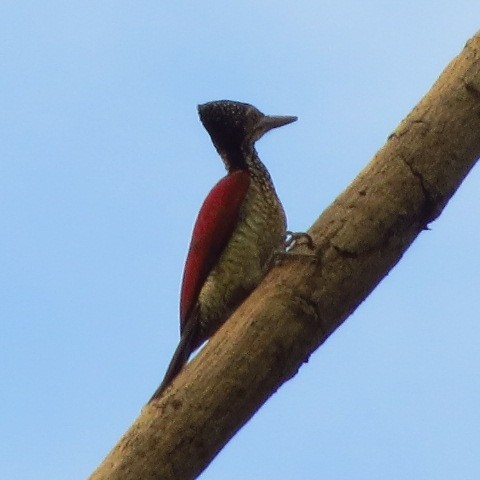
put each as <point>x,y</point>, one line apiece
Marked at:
<point>240,227</point>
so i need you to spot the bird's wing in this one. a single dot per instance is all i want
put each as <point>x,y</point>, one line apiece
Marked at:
<point>214,226</point>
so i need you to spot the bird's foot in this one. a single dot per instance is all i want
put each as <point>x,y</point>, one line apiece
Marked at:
<point>292,240</point>
<point>297,238</point>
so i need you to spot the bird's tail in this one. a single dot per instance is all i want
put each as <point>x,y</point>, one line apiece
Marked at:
<point>187,344</point>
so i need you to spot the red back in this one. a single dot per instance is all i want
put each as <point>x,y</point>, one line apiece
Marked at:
<point>214,226</point>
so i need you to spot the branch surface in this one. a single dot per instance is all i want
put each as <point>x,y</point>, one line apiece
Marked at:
<point>358,240</point>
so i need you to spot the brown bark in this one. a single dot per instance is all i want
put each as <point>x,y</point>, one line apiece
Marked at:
<point>358,239</point>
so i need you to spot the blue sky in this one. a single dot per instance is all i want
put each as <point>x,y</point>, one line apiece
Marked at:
<point>103,167</point>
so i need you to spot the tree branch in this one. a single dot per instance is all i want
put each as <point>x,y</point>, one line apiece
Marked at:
<point>358,239</point>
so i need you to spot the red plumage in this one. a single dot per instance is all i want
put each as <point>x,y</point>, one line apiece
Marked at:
<point>215,224</point>
<point>213,229</point>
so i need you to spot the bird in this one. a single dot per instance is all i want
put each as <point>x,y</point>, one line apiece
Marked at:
<point>240,227</point>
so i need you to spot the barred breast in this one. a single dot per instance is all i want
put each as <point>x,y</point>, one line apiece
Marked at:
<point>260,233</point>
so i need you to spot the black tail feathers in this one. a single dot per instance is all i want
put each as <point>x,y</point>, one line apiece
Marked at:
<point>185,347</point>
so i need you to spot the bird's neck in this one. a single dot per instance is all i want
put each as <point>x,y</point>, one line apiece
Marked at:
<point>258,171</point>
<point>249,161</point>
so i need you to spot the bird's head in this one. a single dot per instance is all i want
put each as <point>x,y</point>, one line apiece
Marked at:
<point>234,127</point>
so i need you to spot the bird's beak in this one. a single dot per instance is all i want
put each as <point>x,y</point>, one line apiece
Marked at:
<point>269,121</point>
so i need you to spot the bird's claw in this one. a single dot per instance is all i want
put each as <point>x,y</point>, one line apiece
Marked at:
<point>292,238</point>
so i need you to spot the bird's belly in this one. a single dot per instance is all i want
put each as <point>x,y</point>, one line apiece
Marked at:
<point>244,262</point>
